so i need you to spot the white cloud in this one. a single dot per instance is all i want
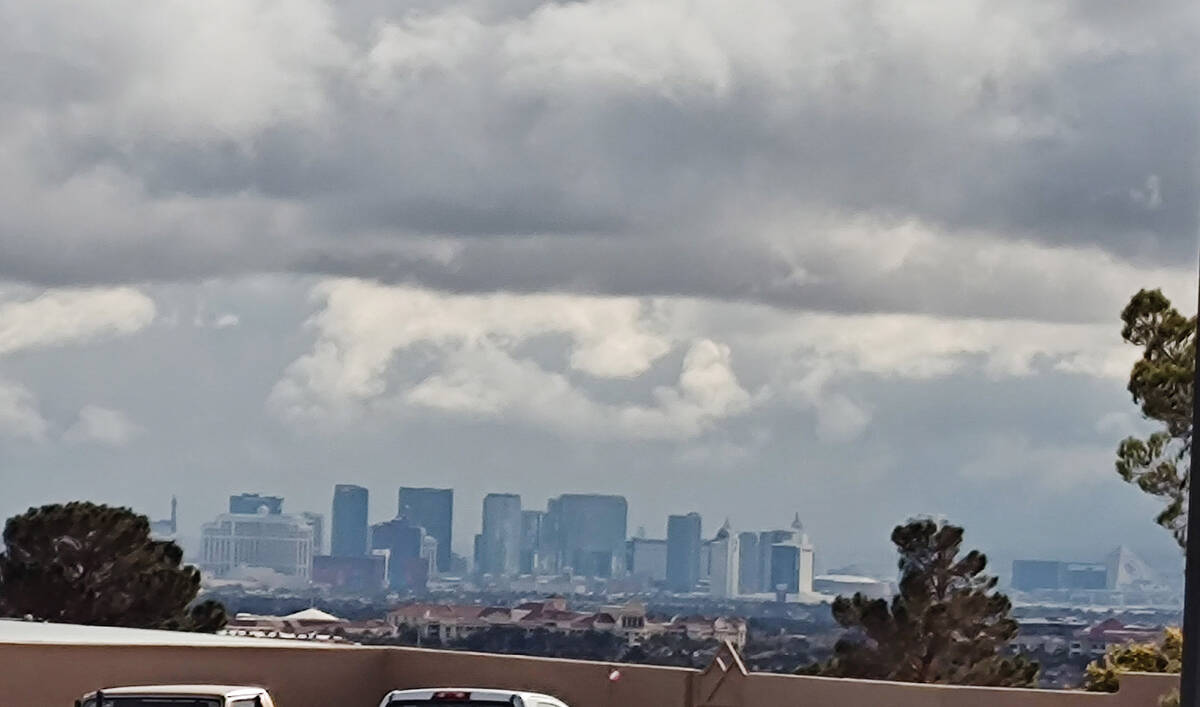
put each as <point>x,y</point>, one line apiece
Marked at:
<point>826,346</point>
<point>19,414</point>
<point>363,325</point>
<point>69,316</point>
<point>468,355</point>
<point>161,62</point>
<point>708,391</point>
<point>480,371</point>
<point>104,426</point>
<point>58,317</point>
<point>225,321</point>
<point>491,383</point>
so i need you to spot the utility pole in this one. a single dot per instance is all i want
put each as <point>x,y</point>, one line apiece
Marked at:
<point>1189,683</point>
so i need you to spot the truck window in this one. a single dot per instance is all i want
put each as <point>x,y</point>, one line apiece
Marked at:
<point>251,702</point>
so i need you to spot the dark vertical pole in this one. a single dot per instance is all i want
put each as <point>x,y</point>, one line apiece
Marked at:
<point>1189,688</point>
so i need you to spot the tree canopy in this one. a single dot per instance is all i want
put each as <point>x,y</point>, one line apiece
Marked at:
<point>94,564</point>
<point>1161,384</point>
<point>1165,656</point>
<point>946,624</point>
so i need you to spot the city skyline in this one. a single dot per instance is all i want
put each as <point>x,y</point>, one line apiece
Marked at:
<point>764,537</point>
<point>584,537</point>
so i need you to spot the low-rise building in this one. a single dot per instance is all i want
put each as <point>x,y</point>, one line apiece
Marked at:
<point>702,628</point>
<point>447,622</point>
<point>1075,637</point>
<point>848,585</point>
<point>308,624</point>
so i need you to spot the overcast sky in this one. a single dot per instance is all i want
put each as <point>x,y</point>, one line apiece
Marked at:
<point>858,259</point>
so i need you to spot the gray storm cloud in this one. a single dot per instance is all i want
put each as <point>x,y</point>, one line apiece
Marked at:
<point>760,151</point>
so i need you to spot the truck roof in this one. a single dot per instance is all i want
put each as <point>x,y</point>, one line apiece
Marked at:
<point>184,690</point>
<point>489,694</point>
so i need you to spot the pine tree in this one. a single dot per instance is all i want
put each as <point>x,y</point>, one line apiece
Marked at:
<point>1161,384</point>
<point>93,564</point>
<point>946,624</point>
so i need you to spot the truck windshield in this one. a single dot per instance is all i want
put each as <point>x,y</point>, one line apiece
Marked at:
<point>156,702</point>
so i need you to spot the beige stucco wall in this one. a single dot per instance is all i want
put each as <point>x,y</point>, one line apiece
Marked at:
<point>52,675</point>
<point>48,675</point>
<point>782,691</point>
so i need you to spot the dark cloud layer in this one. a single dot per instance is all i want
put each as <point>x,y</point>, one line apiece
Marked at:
<point>600,146</point>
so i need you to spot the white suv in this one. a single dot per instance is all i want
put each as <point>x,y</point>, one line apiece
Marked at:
<point>468,697</point>
<point>178,696</point>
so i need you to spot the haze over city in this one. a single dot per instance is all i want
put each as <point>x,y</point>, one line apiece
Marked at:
<point>874,279</point>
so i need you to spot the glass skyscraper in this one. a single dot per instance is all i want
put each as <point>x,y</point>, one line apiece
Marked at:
<point>683,552</point>
<point>500,553</point>
<point>349,532</point>
<point>433,510</point>
<point>589,532</point>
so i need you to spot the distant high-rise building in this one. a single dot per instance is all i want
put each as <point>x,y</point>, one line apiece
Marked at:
<point>316,521</point>
<point>404,542</point>
<point>433,510</point>
<point>349,534</point>
<point>749,564</point>
<point>283,543</point>
<point>251,503</point>
<point>500,554</point>
<point>590,533</point>
<point>1122,570</point>
<point>647,558</point>
<point>552,545</point>
<point>532,541</point>
<point>429,554</point>
<point>705,560</point>
<point>169,528</point>
<point>459,565</point>
<point>362,574</point>
<point>724,563</point>
<point>683,552</point>
<point>792,563</point>
<point>767,540</point>
<point>1031,575</point>
<point>785,568</point>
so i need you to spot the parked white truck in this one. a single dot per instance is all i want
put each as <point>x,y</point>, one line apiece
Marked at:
<point>178,696</point>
